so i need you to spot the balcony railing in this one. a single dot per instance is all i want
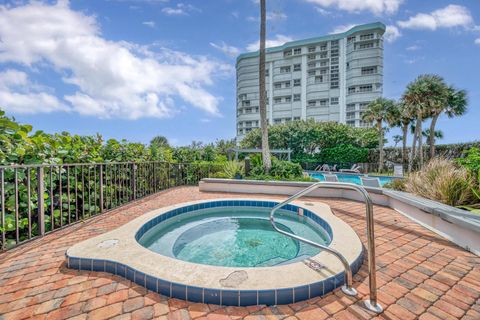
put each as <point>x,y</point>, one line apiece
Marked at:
<point>38,199</point>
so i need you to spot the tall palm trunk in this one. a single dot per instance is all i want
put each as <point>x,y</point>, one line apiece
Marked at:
<point>404,143</point>
<point>420,140</point>
<point>380,145</point>
<point>432,135</point>
<point>413,151</point>
<point>267,162</point>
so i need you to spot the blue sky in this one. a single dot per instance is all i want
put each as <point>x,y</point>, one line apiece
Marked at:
<point>139,68</point>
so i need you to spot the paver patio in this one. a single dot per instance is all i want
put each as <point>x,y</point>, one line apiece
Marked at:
<point>420,275</point>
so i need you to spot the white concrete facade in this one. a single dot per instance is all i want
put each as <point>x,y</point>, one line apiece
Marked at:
<point>329,78</point>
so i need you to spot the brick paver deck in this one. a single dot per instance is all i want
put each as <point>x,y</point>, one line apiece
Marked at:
<point>420,275</point>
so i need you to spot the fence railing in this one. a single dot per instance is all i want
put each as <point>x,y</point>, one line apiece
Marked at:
<point>38,199</point>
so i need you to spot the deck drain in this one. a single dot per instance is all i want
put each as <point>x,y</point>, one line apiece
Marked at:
<point>314,265</point>
<point>108,243</point>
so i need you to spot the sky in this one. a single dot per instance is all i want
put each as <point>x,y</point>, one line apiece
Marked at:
<point>135,69</point>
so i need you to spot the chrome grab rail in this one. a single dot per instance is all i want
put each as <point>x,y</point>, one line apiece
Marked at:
<point>372,303</point>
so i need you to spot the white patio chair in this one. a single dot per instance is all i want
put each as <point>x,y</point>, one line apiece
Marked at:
<point>371,182</point>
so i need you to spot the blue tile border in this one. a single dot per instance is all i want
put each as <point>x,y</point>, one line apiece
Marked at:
<point>216,296</point>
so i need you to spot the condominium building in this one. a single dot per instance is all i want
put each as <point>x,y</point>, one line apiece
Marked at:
<point>328,78</point>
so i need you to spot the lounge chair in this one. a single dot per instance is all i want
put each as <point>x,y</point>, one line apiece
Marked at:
<point>371,182</point>
<point>330,177</point>
<point>354,169</point>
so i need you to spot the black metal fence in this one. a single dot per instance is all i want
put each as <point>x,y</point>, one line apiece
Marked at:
<point>38,199</point>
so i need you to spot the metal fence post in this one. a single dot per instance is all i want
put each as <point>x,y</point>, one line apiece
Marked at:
<point>100,173</point>
<point>41,202</point>
<point>134,181</point>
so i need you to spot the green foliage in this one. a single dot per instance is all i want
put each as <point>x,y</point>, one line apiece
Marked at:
<point>281,170</point>
<point>396,184</point>
<point>343,153</point>
<point>471,161</point>
<point>307,138</point>
<point>233,169</point>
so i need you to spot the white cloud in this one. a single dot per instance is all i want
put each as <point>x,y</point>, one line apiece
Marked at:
<point>391,33</point>
<point>181,9</point>
<point>111,79</point>
<point>230,51</point>
<point>448,17</point>
<point>477,41</point>
<point>150,24</point>
<point>375,6</point>
<point>414,47</point>
<point>322,11</point>
<point>342,28</point>
<point>277,41</point>
<point>270,16</point>
<point>19,95</point>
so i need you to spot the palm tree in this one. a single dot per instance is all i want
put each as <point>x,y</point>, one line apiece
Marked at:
<point>423,95</point>
<point>456,105</point>
<point>160,142</point>
<point>267,162</point>
<point>405,119</point>
<point>397,138</point>
<point>438,134</point>
<point>378,111</point>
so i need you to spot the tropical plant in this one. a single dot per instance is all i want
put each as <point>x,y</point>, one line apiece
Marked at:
<point>438,134</point>
<point>280,170</point>
<point>406,116</point>
<point>267,162</point>
<point>443,181</point>
<point>422,96</point>
<point>455,104</point>
<point>397,139</point>
<point>395,184</point>
<point>233,169</point>
<point>379,111</point>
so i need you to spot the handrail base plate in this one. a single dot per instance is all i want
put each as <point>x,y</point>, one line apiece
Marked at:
<point>377,308</point>
<point>349,291</point>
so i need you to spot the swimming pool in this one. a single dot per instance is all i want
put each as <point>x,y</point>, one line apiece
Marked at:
<point>352,178</point>
<point>225,252</point>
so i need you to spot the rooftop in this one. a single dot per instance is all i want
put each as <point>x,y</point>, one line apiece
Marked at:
<point>420,275</point>
<point>329,37</point>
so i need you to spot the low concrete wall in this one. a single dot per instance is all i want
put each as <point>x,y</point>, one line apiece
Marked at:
<point>458,226</point>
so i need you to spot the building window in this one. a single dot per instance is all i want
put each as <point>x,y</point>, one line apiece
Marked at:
<point>296,97</point>
<point>323,71</point>
<point>311,49</point>
<point>242,96</point>
<point>277,85</point>
<point>312,103</point>
<point>297,51</point>
<point>248,110</point>
<point>334,68</point>
<point>334,85</point>
<point>245,103</point>
<point>311,57</point>
<point>323,102</point>
<point>334,100</point>
<point>369,70</point>
<point>266,72</point>
<point>323,47</point>
<point>334,60</point>
<point>288,99</point>
<point>351,39</point>
<point>318,79</point>
<point>351,123</point>
<point>364,105</point>
<point>351,90</point>
<point>287,84</point>
<point>287,53</point>
<point>323,55</point>
<point>366,45</point>
<point>366,36</point>
<point>285,69</point>
<point>351,107</point>
<point>277,100</point>
<point>311,65</point>
<point>334,77</point>
<point>367,88</point>
<point>297,67</point>
<point>311,73</point>
<point>277,121</point>
<point>296,82</point>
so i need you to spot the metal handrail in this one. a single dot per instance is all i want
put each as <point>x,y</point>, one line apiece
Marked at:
<point>372,303</point>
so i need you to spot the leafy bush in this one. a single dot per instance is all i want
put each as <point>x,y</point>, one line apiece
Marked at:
<point>343,153</point>
<point>306,138</point>
<point>471,161</point>
<point>277,178</point>
<point>232,169</point>
<point>443,181</point>
<point>396,184</point>
<point>280,170</point>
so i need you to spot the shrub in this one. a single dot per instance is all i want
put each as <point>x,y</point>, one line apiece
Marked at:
<point>471,161</point>
<point>396,184</point>
<point>280,170</point>
<point>232,169</point>
<point>344,153</point>
<point>443,181</point>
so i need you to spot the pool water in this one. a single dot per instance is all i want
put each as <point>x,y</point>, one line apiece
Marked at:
<point>353,178</point>
<point>234,237</point>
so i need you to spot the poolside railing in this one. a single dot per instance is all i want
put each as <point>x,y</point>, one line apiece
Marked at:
<point>38,199</point>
